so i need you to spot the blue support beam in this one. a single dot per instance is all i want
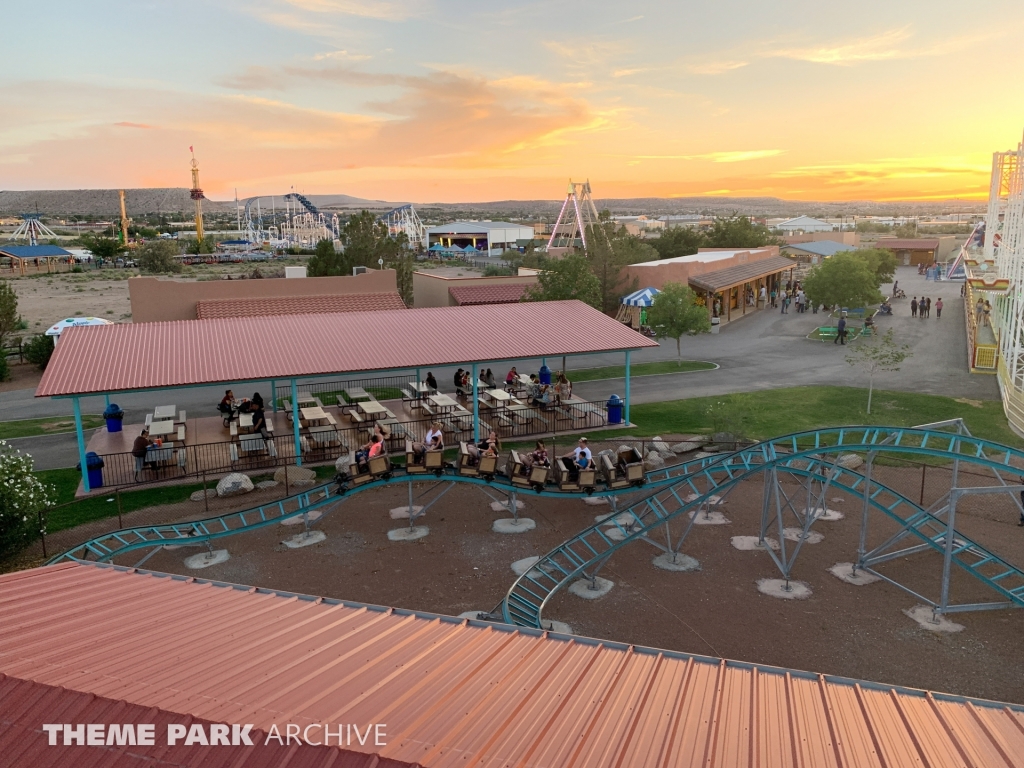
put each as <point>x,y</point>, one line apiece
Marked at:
<point>81,444</point>
<point>273,394</point>
<point>476,406</point>
<point>106,400</point>
<point>295,423</point>
<point>626,406</point>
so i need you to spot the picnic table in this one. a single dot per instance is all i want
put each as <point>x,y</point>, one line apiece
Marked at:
<point>162,412</point>
<point>307,401</point>
<point>443,402</point>
<point>356,395</point>
<point>314,414</point>
<point>161,428</point>
<point>373,409</point>
<point>499,396</point>
<point>420,388</point>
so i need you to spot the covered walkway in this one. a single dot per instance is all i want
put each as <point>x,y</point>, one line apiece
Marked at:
<point>292,348</point>
<point>733,292</point>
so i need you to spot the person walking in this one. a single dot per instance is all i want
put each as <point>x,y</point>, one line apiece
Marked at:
<point>895,288</point>
<point>762,295</point>
<point>979,311</point>
<point>774,298</point>
<point>938,308</point>
<point>913,307</point>
<point>986,316</point>
<point>841,332</point>
<point>782,300</point>
<point>928,307</point>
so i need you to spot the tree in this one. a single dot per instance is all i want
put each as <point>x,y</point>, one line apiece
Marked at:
<point>404,267</point>
<point>159,257</point>
<point>568,278</point>
<point>607,256</point>
<point>906,230</point>
<point>676,313</point>
<point>22,496</point>
<point>738,232</point>
<point>326,261</point>
<point>106,248</point>
<point>9,320</point>
<point>843,280</point>
<point>881,262</point>
<point>38,350</point>
<point>367,241</point>
<point>678,241</point>
<point>197,246</point>
<point>882,354</point>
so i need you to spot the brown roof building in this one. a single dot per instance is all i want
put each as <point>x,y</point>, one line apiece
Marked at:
<point>509,293</point>
<point>298,305</point>
<point>89,643</point>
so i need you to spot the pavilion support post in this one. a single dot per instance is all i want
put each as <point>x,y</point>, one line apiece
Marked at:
<point>476,405</point>
<point>81,444</point>
<point>273,393</point>
<point>106,400</point>
<point>295,423</point>
<point>626,406</point>
<point>418,379</point>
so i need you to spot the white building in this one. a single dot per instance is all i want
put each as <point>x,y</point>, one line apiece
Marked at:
<point>805,224</point>
<point>488,237</point>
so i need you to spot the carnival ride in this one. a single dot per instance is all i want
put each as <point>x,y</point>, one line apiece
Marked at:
<point>32,229</point>
<point>196,193</point>
<point>404,219</point>
<point>817,460</point>
<point>577,218</point>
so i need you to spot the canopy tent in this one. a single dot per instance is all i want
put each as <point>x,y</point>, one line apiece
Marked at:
<point>437,247</point>
<point>468,249</point>
<point>75,322</point>
<point>641,298</point>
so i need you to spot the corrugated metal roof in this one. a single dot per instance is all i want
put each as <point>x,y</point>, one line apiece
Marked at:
<point>741,273</point>
<point>460,693</point>
<point>821,247</point>
<point>298,305</point>
<point>908,243</point>
<point>473,227</point>
<point>466,295</point>
<point>26,705</point>
<point>32,251</point>
<point>124,357</point>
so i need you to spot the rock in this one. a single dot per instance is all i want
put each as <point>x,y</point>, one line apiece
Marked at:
<point>607,452</point>
<point>234,484</point>
<point>850,461</point>
<point>342,464</point>
<point>209,493</point>
<point>653,461</point>
<point>296,475</point>
<point>723,437</point>
<point>686,447</point>
<point>659,445</point>
<point>267,484</point>
<point>667,455</point>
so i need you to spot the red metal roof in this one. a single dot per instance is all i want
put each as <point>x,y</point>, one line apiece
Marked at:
<point>460,693</point>
<point>189,352</point>
<point>487,294</point>
<point>908,243</point>
<point>297,305</point>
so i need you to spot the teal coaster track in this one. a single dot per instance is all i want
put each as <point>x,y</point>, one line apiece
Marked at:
<point>680,492</point>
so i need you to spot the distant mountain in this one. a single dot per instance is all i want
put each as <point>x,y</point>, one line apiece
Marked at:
<point>104,202</point>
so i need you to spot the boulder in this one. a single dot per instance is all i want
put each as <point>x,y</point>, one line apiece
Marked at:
<point>653,461</point>
<point>850,461</point>
<point>267,484</point>
<point>209,493</point>
<point>686,447</point>
<point>667,455</point>
<point>234,484</point>
<point>607,452</point>
<point>660,446</point>
<point>296,475</point>
<point>343,463</point>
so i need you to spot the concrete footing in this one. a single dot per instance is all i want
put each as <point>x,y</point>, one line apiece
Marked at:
<point>708,517</point>
<point>519,567</point>
<point>582,588</point>
<point>510,525</point>
<point>678,562</point>
<point>750,543</point>
<point>844,572</point>
<point>615,534</point>
<point>558,627</point>
<point>408,534</point>
<point>622,518</point>
<point>402,513</point>
<point>796,534</point>
<point>926,619</point>
<point>595,501</point>
<point>828,515</point>
<point>313,516</point>
<point>713,499</point>
<point>304,539</point>
<point>797,590</point>
<point>504,506</point>
<point>206,559</point>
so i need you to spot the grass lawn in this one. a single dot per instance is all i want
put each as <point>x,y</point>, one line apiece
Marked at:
<point>643,369</point>
<point>775,412</point>
<point>337,397</point>
<point>52,426</point>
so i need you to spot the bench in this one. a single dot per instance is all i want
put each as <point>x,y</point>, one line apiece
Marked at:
<point>356,417</point>
<point>149,420</point>
<point>181,433</point>
<point>827,333</point>
<point>331,420</point>
<point>181,417</point>
<point>484,404</point>
<point>234,429</point>
<point>426,408</point>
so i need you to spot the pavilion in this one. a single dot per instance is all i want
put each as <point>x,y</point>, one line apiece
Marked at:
<point>147,357</point>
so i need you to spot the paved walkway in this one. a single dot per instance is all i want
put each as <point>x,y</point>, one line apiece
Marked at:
<point>765,350</point>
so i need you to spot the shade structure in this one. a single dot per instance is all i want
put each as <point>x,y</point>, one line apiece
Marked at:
<point>437,247</point>
<point>641,298</point>
<point>470,249</point>
<point>74,322</point>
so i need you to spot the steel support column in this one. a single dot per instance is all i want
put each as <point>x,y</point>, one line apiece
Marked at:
<point>295,423</point>
<point>81,443</point>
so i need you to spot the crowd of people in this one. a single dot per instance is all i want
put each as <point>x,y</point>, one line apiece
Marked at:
<point>229,408</point>
<point>923,307</point>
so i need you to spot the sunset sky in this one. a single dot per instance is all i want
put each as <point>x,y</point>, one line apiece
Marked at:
<point>470,100</point>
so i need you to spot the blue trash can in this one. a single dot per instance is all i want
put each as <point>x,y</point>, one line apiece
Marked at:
<point>614,410</point>
<point>545,375</point>
<point>94,465</point>
<point>114,416</point>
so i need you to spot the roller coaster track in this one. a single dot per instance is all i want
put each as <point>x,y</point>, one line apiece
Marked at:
<point>670,492</point>
<point>798,454</point>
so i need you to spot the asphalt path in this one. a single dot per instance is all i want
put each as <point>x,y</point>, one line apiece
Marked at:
<point>765,350</point>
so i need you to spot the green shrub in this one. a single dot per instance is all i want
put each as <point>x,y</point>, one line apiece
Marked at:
<point>38,350</point>
<point>22,495</point>
<point>5,369</point>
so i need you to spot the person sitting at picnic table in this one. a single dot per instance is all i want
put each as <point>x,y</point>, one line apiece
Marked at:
<point>434,441</point>
<point>511,378</point>
<point>580,455</point>
<point>543,396</point>
<point>489,445</point>
<point>259,421</point>
<point>373,448</point>
<point>431,381</point>
<point>257,400</point>
<point>227,405</point>
<point>457,379</point>
<point>563,389</point>
<point>139,448</point>
<point>538,456</point>
<point>488,379</point>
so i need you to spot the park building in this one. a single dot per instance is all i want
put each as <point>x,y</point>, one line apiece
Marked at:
<point>490,238</point>
<point>804,224</point>
<point>815,252</point>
